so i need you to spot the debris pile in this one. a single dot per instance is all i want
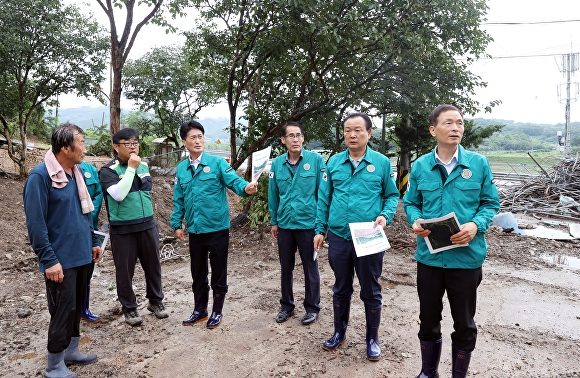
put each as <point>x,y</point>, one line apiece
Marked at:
<point>555,191</point>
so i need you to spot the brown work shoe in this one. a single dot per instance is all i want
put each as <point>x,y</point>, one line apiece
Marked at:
<point>132,318</point>
<point>159,310</point>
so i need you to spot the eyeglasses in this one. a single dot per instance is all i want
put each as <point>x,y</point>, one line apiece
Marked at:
<point>292,136</point>
<point>129,144</point>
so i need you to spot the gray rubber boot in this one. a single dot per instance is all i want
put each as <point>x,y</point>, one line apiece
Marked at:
<point>73,356</point>
<point>55,367</point>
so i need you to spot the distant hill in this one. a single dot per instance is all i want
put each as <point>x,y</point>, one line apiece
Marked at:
<point>87,116</point>
<point>514,136</point>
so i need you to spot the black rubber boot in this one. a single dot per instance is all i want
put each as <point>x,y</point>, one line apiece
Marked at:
<point>459,362</point>
<point>199,311</point>
<point>373,316</point>
<point>86,313</point>
<point>341,314</point>
<point>430,354</point>
<point>216,316</point>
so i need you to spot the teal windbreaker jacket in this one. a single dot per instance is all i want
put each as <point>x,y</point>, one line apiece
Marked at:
<point>200,195</point>
<point>346,196</point>
<point>292,196</point>
<point>469,191</point>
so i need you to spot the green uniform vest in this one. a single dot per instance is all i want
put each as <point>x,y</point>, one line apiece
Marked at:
<point>137,206</point>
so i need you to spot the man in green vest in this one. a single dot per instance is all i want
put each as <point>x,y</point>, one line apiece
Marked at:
<point>134,233</point>
<point>292,195</point>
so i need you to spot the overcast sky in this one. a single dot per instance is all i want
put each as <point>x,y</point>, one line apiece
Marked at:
<point>527,86</point>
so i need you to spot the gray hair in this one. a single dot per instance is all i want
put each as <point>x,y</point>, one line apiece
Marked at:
<point>64,136</point>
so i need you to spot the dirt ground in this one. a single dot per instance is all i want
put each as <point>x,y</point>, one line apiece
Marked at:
<point>528,311</point>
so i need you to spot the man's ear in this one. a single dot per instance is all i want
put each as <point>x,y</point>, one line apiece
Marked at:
<point>432,130</point>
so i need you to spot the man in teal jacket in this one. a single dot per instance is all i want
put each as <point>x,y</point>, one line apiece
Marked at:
<point>199,196</point>
<point>94,187</point>
<point>450,179</point>
<point>292,195</point>
<point>357,186</point>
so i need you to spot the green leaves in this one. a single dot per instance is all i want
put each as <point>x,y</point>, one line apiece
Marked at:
<point>47,49</point>
<point>173,87</point>
<point>312,61</point>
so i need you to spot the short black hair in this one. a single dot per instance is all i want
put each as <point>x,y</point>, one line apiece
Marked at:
<point>291,123</point>
<point>64,136</point>
<point>440,109</point>
<point>186,126</point>
<point>126,133</point>
<point>368,122</point>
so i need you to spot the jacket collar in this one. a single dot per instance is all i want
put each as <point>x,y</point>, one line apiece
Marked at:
<point>461,160</point>
<point>367,157</point>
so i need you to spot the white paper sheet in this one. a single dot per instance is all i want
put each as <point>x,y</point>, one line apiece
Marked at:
<point>368,239</point>
<point>259,161</point>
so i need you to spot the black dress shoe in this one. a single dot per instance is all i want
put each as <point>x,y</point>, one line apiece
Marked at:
<point>309,318</point>
<point>284,315</point>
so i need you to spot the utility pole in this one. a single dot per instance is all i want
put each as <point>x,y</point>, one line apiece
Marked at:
<point>569,66</point>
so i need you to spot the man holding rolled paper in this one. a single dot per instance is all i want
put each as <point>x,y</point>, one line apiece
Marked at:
<point>450,179</point>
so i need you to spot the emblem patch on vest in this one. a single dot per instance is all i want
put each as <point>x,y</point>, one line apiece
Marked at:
<point>271,175</point>
<point>87,175</point>
<point>307,167</point>
<point>207,169</point>
<point>466,174</point>
<point>371,168</point>
<point>324,177</point>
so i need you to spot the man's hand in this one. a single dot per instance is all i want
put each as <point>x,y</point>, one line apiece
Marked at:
<point>134,161</point>
<point>467,233</point>
<point>318,242</point>
<point>97,254</point>
<point>381,220</point>
<point>55,273</point>
<point>251,188</point>
<point>420,230</point>
<point>180,234</point>
<point>274,231</point>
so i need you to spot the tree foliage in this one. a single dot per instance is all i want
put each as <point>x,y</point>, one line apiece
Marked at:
<point>313,61</point>
<point>474,135</point>
<point>122,39</point>
<point>46,49</point>
<point>173,87</point>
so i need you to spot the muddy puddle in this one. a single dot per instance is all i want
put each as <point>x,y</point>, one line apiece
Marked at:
<point>569,261</point>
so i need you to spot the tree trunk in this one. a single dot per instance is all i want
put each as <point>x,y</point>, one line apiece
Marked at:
<point>115,106</point>
<point>22,162</point>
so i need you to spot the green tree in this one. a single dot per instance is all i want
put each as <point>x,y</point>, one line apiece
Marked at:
<point>175,88</point>
<point>313,61</point>
<point>46,49</point>
<point>122,43</point>
<point>474,135</point>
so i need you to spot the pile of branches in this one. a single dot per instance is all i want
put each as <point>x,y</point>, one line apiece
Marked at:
<point>555,191</point>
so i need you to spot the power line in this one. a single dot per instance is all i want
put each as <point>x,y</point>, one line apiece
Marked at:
<point>514,56</point>
<point>530,23</point>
